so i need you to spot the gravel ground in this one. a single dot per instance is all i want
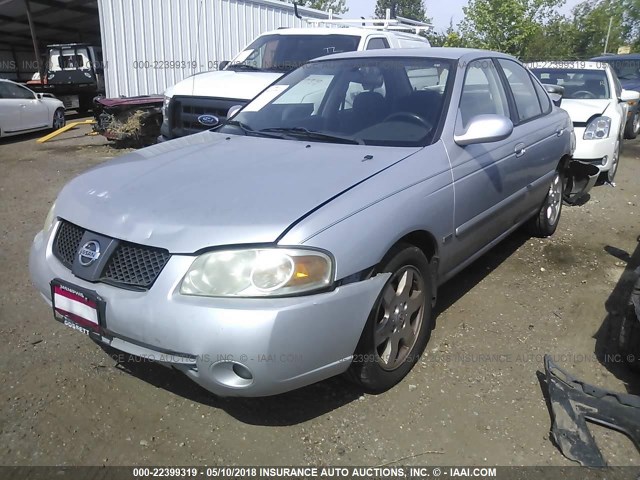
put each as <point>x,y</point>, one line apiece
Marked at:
<point>476,397</point>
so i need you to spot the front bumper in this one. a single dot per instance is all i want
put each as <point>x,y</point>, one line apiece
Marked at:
<point>595,152</point>
<point>285,343</point>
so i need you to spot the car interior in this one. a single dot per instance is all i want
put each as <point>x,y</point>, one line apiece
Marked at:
<point>372,103</point>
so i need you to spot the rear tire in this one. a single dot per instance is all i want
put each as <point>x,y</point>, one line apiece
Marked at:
<point>544,224</point>
<point>399,325</point>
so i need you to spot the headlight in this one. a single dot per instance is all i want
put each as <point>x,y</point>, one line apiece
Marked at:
<point>598,128</point>
<point>48,221</point>
<point>258,273</point>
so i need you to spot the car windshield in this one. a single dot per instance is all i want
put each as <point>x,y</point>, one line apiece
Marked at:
<point>577,83</point>
<point>287,52</point>
<point>626,69</point>
<point>389,101</point>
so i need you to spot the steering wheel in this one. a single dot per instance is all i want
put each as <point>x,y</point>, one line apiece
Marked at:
<point>586,94</point>
<point>413,117</point>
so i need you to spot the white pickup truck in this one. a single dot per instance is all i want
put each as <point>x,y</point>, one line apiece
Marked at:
<point>201,101</point>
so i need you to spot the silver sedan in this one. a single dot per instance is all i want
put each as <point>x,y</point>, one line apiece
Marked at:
<point>307,236</point>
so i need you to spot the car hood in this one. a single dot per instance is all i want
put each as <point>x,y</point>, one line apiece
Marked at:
<point>224,84</point>
<point>212,189</point>
<point>583,110</point>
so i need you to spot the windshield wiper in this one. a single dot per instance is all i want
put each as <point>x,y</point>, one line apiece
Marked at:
<point>306,133</point>
<point>248,130</point>
<point>242,66</point>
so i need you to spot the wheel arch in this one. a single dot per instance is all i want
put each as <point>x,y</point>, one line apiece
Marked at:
<point>426,242</point>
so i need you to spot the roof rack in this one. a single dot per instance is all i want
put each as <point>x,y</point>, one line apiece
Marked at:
<point>396,24</point>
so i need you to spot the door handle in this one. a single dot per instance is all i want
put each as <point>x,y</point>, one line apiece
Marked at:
<point>559,132</point>
<point>520,149</point>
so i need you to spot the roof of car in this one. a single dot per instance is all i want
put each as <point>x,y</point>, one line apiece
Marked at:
<point>427,52</point>
<point>626,56</point>
<point>360,32</point>
<point>568,65</point>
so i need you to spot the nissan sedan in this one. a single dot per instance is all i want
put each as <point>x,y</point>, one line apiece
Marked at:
<point>308,235</point>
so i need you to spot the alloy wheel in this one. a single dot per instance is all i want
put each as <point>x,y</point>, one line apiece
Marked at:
<point>399,317</point>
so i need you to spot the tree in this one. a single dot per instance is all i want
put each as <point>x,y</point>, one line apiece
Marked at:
<point>413,9</point>
<point>338,6</point>
<point>505,25</point>
<point>591,24</point>
<point>448,38</point>
<point>552,41</point>
<point>631,23</point>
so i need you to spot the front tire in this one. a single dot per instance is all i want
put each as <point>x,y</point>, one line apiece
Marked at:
<point>613,169</point>
<point>544,224</point>
<point>631,128</point>
<point>59,120</point>
<point>399,325</point>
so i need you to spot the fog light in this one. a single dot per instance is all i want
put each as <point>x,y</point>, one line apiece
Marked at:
<point>231,374</point>
<point>242,371</point>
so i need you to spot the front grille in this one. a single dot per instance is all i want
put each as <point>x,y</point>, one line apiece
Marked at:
<point>67,242</point>
<point>135,265</point>
<point>184,112</point>
<point>130,265</point>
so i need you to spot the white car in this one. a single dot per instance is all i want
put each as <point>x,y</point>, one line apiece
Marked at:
<point>597,105</point>
<point>23,111</point>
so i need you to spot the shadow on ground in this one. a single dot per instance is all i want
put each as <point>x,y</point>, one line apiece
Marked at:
<point>607,348</point>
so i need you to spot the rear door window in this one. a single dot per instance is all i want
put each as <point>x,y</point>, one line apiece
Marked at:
<point>524,93</point>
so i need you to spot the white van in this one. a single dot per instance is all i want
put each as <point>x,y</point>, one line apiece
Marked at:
<point>202,101</point>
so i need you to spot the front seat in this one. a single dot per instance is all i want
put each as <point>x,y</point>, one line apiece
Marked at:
<point>369,108</point>
<point>596,87</point>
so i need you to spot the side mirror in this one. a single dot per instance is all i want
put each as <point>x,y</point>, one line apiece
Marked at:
<point>233,110</point>
<point>223,64</point>
<point>556,92</point>
<point>628,95</point>
<point>484,129</point>
<point>38,96</point>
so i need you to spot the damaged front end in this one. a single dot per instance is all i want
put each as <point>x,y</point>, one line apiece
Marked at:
<point>581,177</point>
<point>129,122</point>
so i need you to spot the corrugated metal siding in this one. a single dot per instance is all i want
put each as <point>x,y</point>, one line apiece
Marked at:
<point>139,36</point>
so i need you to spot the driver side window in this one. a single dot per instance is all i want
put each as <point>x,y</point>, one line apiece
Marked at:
<point>17,92</point>
<point>482,92</point>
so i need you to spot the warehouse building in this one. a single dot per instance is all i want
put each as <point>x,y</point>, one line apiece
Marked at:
<point>147,45</point>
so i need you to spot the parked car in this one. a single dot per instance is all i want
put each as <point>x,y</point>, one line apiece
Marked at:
<point>199,102</point>
<point>597,106</point>
<point>627,68</point>
<point>23,111</point>
<point>307,236</point>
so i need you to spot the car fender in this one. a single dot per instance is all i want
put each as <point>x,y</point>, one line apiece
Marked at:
<point>360,226</point>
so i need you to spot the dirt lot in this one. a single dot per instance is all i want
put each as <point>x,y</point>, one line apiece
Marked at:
<point>65,401</point>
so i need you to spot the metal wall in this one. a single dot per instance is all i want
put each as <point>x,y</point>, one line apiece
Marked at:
<point>140,38</point>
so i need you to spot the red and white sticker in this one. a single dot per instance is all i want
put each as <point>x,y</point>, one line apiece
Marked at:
<point>75,306</point>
